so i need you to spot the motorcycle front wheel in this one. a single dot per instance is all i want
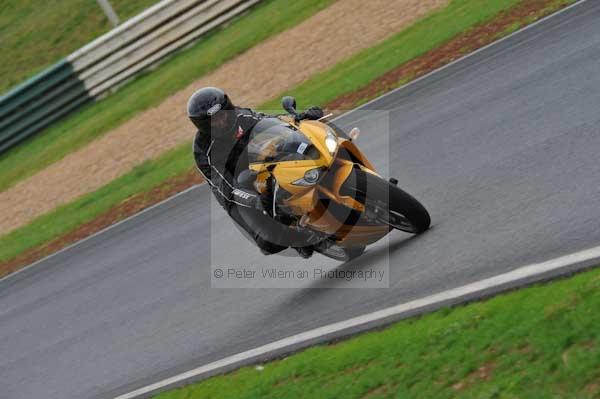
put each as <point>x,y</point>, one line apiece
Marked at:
<point>387,203</point>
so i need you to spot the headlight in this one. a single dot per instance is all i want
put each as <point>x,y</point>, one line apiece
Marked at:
<point>310,178</point>
<point>331,141</point>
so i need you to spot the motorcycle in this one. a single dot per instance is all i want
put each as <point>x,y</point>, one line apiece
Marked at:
<point>319,180</point>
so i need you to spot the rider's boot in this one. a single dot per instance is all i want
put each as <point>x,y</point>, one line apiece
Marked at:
<point>305,252</point>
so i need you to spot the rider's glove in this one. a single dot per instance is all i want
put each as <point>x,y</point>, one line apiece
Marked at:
<point>312,113</point>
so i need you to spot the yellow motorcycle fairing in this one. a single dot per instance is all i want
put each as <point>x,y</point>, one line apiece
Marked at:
<point>324,208</point>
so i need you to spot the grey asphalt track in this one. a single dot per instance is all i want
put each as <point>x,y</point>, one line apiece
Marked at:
<point>501,147</point>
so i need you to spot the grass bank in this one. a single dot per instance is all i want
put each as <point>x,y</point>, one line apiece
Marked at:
<point>35,34</point>
<point>539,342</point>
<point>356,72</point>
<point>149,89</point>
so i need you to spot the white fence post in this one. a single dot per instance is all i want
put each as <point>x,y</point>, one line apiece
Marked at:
<point>109,11</point>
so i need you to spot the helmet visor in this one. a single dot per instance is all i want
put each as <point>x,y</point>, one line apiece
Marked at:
<point>219,126</point>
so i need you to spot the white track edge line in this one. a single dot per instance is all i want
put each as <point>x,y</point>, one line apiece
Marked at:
<point>409,84</point>
<point>481,286</point>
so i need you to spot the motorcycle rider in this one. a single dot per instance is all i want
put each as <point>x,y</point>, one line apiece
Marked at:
<point>221,157</point>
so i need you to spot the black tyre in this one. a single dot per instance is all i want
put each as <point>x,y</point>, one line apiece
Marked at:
<point>387,203</point>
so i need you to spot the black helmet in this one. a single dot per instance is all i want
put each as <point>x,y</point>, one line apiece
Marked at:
<point>211,107</point>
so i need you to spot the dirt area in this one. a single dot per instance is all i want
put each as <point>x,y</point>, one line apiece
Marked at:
<point>455,48</point>
<point>255,76</point>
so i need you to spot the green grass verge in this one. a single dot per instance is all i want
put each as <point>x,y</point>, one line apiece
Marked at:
<point>35,34</point>
<point>539,342</point>
<point>353,73</point>
<point>151,88</point>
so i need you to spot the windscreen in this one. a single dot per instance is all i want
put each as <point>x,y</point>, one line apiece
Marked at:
<point>276,141</point>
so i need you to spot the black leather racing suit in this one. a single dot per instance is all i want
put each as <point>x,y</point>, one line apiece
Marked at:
<point>220,162</point>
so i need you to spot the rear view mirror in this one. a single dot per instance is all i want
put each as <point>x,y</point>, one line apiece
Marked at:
<point>354,133</point>
<point>289,104</point>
